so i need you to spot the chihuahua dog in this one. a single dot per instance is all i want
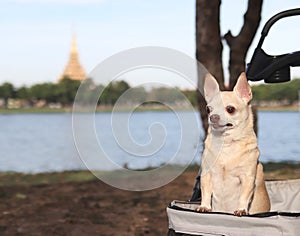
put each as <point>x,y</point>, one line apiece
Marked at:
<point>231,176</point>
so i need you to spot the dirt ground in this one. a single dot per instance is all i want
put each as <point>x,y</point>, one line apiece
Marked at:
<point>91,207</point>
<point>88,208</point>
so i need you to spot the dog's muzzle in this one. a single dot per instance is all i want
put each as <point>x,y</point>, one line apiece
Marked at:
<point>214,118</point>
<point>214,122</point>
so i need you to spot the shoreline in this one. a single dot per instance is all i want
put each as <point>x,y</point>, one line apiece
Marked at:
<point>139,109</point>
<point>272,170</point>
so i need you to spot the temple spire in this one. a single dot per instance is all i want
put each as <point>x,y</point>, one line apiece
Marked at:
<point>73,69</point>
<point>74,45</point>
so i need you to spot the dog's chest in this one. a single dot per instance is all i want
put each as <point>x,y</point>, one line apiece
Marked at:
<point>226,186</point>
<point>231,162</point>
<point>226,172</point>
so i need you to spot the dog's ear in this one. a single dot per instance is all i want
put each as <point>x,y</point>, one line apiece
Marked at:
<point>242,88</point>
<point>211,87</point>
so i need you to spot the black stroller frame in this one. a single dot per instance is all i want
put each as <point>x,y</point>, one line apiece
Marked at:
<point>284,217</point>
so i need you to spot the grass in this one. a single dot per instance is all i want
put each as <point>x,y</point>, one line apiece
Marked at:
<point>275,166</point>
<point>279,108</point>
<point>273,170</point>
<point>34,110</point>
<point>11,178</point>
<point>282,170</point>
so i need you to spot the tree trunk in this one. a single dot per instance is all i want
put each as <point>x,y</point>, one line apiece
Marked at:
<point>209,44</point>
<point>208,37</point>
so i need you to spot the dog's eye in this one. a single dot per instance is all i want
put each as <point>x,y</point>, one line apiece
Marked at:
<point>208,109</point>
<point>230,109</point>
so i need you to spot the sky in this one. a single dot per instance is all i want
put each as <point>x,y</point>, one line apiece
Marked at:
<point>35,35</point>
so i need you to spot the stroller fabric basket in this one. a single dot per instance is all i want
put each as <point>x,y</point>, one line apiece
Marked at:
<point>283,218</point>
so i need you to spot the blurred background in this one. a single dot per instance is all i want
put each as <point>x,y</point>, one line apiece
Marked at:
<point>48,47</point>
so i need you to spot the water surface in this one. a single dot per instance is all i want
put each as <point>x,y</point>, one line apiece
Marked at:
<point>33,143</point>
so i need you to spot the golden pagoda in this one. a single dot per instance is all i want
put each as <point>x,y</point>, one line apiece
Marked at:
<point>73,69</point>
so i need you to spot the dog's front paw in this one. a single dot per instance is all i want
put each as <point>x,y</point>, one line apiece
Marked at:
<point>241,212</point>
<point>203,209</point>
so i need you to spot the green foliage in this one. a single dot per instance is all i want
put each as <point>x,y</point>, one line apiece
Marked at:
<point>89,92</point>
<point>137,95</point>
<point>22,93</point>
<point>65,91</point>
<point>191,95</point>
<point>163,94</point>
<point>277,92</point>
<point>6,90</point>
<point>46,91</point>
<point>112,92</point>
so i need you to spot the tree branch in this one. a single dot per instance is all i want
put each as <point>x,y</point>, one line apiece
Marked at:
<point>229,38</point>
<point>240,44</point>
<point>252,19</point>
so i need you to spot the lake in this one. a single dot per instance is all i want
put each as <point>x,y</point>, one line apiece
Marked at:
<point>34,143</point>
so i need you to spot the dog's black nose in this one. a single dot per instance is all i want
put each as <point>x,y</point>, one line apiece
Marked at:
<point>214,118</point>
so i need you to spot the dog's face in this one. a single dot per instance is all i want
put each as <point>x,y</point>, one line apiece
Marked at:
<point>227,111</point>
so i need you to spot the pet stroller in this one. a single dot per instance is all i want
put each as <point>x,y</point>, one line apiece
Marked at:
<point>284,216</point>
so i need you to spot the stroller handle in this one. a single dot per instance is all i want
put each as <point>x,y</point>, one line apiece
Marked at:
<point>280,15</point>
<point>272,69</point>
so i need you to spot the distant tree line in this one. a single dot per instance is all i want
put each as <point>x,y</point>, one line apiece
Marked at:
<point>111,93</point>
<point>277,92</point>
<point>64,93</point>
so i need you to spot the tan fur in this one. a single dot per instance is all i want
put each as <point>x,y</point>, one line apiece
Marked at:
<point>231,177</point>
